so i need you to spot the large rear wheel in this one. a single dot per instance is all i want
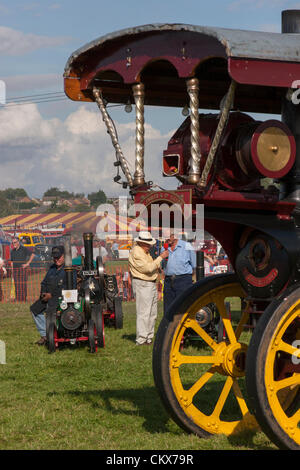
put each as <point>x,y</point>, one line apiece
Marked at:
<point>202,386</point>
<point>273,371</point>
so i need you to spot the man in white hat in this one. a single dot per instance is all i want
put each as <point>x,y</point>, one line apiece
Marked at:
<point>144,271</point>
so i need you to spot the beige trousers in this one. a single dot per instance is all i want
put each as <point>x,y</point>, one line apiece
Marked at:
<point>146,309</point>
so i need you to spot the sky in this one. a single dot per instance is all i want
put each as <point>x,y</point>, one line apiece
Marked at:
<point>46,142</point>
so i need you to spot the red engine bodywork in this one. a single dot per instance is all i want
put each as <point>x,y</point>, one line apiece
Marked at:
<point>238,166</point>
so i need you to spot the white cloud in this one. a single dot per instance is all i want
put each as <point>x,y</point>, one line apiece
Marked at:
<point>25,127</point>
<point>14,43</point>
<point>76,154</point>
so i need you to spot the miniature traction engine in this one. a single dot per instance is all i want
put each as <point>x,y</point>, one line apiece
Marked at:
<point>90,297</point>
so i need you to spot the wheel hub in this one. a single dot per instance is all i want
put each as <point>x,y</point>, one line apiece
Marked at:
<point>234,359</point>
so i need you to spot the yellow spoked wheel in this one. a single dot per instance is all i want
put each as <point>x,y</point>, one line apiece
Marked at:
<point>273,371</point>
<point>202,385</point>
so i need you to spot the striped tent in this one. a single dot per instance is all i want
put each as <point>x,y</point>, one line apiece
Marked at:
<point>71,221</point>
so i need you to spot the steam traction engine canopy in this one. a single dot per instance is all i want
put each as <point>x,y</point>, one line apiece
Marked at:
<point>164,56</point>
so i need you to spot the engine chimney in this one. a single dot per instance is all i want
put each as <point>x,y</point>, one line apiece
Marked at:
<point>68,261</point>
<point>88,251</point>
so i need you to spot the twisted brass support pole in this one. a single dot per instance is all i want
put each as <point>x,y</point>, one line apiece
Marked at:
<point>194,162</point>
<point>113,135</point>
<point>139,95</point>
<point>218,135</point>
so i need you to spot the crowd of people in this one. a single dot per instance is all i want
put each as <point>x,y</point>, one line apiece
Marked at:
<point>174,261</point>
<point>108,250</point>
<point>21,258</point>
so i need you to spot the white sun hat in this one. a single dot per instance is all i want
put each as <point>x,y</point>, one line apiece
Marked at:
<point>145,237</point>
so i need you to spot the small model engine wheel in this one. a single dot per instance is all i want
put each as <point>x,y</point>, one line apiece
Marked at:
<point>51,335</point>
<point>51,331</point>
<point>273,371</point>
<point>118,313</point>
<point>203,389</point>
<point>98,319</point>
<point>92,333</point>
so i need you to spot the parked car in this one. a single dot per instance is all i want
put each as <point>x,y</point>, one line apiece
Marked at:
<point>31,239</point>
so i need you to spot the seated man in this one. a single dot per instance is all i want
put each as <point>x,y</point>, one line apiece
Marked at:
<point>51,288</point>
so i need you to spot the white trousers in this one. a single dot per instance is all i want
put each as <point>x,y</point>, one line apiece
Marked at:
<point>146,309</point>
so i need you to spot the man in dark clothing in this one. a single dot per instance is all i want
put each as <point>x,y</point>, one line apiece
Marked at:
<point>51,288</point>
<point>21,258</point>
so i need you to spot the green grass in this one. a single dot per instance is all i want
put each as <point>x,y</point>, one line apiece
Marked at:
<point>117,263</point>
<point>76,400</point>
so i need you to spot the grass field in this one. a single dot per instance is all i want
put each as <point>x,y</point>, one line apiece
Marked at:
<point>76,400</point>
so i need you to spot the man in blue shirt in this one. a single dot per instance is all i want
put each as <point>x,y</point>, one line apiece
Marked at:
<point>178,270</point>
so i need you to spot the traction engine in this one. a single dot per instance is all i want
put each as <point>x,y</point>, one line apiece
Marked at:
<point>246,173</point>
<point>87,299</point>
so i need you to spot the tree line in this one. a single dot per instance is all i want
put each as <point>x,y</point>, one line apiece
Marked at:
<point>10,200</point>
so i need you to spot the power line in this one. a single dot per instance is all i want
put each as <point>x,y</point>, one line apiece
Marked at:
<point>36,99</point>
<point>41,95</point>
<point>46,99</point>
<point>40,98</point>
<point>12,104</point>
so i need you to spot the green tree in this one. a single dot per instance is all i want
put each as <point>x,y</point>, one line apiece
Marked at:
<point>13,193</point>
<point>54,207</point>
<point>55,192</point>
<point>5,206</point>
<point>97,198</point>
<point>59,193</point>
<point>25,205</point>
